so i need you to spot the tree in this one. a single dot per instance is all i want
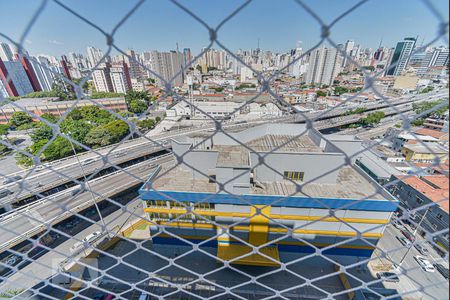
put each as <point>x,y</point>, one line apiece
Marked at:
<point>321,94</point>
<point>137,106</point>
<point>44,132</point>
<point>62,89</point>
<point>59,148</point>
<point>339,90</point>
<point>20,118</point>
<point>77,129</point>
<point>4,129</point>
<point>151,80</point>
<point>369,68</point>
<point>107,134</point>
<point>147,124</point>
<point>99,95</point>
<point>135,95</point>
<point>373,118</point>
<point>158,119</point>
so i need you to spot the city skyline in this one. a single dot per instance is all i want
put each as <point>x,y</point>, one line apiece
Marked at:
<point>250,27</point>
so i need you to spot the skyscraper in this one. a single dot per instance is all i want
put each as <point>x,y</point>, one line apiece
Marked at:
<point>324,65</point>
<point>102,79</point>
<point>94,56</point>
<point>401,56</point>
<point>349,45</point>
<point>6,52</point>
<point>167,65</point>
<point>187,56</point>
<point>14,78</point>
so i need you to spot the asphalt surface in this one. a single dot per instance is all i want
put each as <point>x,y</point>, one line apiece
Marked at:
<point>434,285</point>
<point>29,221</point>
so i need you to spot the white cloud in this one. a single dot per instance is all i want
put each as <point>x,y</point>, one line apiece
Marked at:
<point>55,42</point>
<point>28,41</point>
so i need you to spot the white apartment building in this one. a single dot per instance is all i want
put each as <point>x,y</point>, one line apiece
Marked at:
<point>167,65</point>
<point>120,82</point>
<point>324,66</point>
<point>94,56</point>
<point>102,79</point>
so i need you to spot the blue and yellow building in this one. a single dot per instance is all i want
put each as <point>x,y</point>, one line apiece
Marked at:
<point>273,188</point>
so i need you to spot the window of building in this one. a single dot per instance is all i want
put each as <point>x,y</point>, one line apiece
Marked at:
<point>293,175</point>
<point>439,216</point>
<point>418,200</point>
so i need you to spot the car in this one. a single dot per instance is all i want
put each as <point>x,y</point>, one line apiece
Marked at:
<point>388,276</point>
<point>422,249</point>
<point>12,260</point>
<point>404,241</point>
<point>76,191</point>
<point>408,235</point>
<point>91,237</point>
<point>424,264</point>
<point>442,269</point>
<point>77,246</point>
<point>12,179</point>
<point>4,193</point>
<point>39,168</point>
<point>87,161</point>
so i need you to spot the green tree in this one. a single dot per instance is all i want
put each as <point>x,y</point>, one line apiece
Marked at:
<point>57,149</point>
<point>147,124</point>
<point>151,80</point>
<point>77,129</point>
<point>158,119</point>
<point>135,95</point>
<point>4,129</point>
<point>339,90</point>
<point>373,118</point>
<point>44,132</point>
<point>137,106</point>
<point>20,118</point>
<point>321,94</point>
<point>99,95</point>
<point>106,134</point>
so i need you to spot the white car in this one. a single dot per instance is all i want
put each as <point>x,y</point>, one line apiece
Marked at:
<point>424,263</point>
<point>91,237</point>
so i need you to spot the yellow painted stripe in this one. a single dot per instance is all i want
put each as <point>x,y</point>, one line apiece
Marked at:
<point>274,230</point>
<point>259,225</point>
<point>178,211</point>
<point>194,237</point>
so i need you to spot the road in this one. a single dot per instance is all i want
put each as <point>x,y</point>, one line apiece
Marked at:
<point>30,220</point>
<point>435,285</point>
<point>47,265</point>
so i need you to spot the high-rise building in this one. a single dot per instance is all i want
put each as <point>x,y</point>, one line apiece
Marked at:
<point>14,78</point>
<point>5,52</point>
<point>120,78</point>
<point>94,56</point>
<point>167,65</point>
<point>102,78</point>
<point>348,49</point>
<point>436,57</point>
<point>324,66</point>
<point>187,56</point>
<point>401,56</point>
<point>134,68</point>
<point>43,71</point>
<point>29,70</point>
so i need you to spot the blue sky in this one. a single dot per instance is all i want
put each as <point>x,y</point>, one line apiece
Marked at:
<point>159,24</point>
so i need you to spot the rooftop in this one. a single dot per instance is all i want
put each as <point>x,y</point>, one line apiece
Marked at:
<point>349,185</point>
<point>435,187</point>
<point>283,143</point>
<point>428,148</point>
<point>433,133</point>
